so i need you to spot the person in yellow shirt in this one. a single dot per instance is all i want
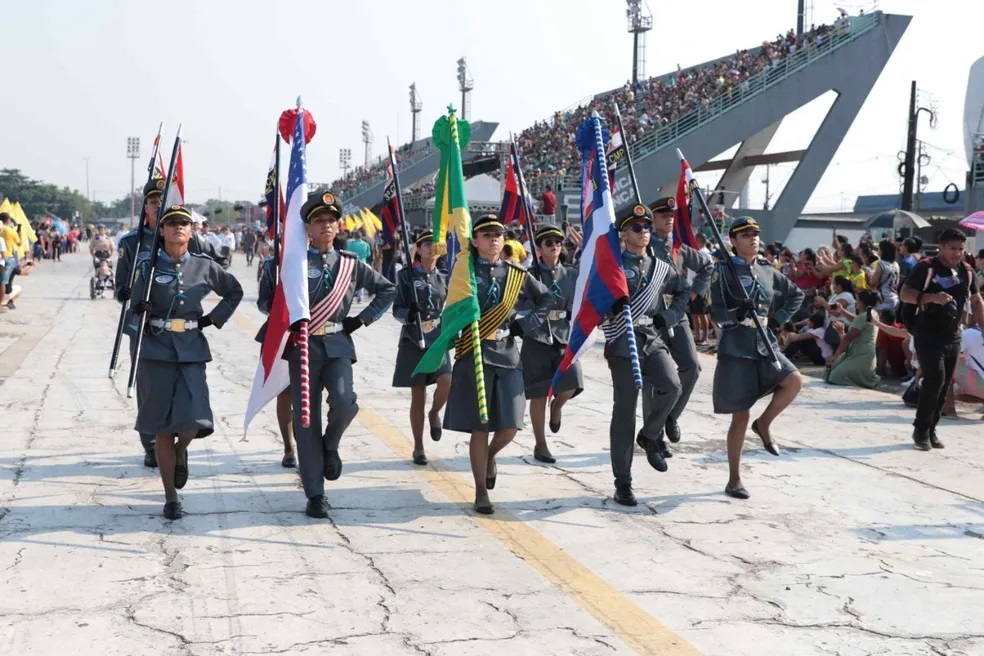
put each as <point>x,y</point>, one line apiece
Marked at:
<point>515,248</point>
<point>12,242</point>
<point>858,276</point>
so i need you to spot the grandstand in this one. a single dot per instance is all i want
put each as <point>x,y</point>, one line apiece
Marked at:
<point>704,110</point>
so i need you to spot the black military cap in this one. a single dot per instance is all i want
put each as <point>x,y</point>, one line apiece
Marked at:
<point>665,205</point>
<point>154,188</point>
<point>547,230</point>
<point>426,235</point>
<point>742,224</point>
<point>488,222</point>
<point>322,201</point>
<point>176,213</point>
<point>637,212</point>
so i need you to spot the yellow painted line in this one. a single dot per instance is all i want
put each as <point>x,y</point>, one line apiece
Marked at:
<point>625,618</point>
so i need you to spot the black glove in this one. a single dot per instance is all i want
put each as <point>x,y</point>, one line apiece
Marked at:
<point>204,322</point>
<point>515,330</point>
<point>618,305</point>
<point>351,324</point>
<point>124,294</point>
<point>140,307</point>
<point>413,311</point>
<point>567,315</point>
<point>659,322</point>
<point>745,309</point>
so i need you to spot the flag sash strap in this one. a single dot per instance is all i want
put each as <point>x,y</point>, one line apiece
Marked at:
<point>330,303</point>
<point>492,320</point>
<point>640,302</point>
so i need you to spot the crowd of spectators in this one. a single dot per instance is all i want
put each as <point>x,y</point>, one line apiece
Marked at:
<point>376,172</point>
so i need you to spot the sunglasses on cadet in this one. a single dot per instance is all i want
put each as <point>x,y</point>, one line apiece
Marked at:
<point>550,242</point>
<point>639,227</point>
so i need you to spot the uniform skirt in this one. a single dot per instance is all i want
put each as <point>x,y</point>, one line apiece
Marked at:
<point>408,356</point>
<point>540,362</point>
<point>172,398</point>
<point>503,396</point>
<point>740,382</point>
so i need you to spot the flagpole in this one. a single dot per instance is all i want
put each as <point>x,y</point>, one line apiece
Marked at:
<point>650,248</point>
<point>626,306</point>
<point>276,210</point>
<point>405,235</point>
<point>125,307</point>
<point>154,251</point>
<point>763,334</point>
<point>518,172</point>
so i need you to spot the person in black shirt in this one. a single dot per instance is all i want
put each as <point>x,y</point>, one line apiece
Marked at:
<point>941,287</point>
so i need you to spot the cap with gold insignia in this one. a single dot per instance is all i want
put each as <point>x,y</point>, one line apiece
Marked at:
<point>154,188</point>
<point>176,213</point>
<point>664,205</point>
<point>547,230</point>
<point>488,222</point>
<point>743,224</point>
<point>321,201</point>
<point>426,235</point>
<point>636,212</point>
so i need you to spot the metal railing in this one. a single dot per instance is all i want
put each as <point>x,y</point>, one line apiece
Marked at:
<point>840,34</point>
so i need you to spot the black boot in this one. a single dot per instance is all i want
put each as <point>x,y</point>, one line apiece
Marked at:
<point>624,496</point>
<point>333,465</point>
<point>921,438</point>
<point>150,458</point>
<point>654,454</point>
<point>317,507</point>
<point>672,430</point>
<point>664,449</point>
<point>934,441</point>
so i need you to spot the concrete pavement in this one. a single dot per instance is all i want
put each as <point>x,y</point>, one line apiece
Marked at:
<point>852,542</point>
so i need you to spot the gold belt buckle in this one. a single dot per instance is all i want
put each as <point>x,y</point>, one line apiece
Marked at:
<point>177,326</point>
<point>320,330</point>
<point>427,325</point>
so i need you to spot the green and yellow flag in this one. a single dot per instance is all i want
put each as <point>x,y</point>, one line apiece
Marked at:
<point>461,310</point>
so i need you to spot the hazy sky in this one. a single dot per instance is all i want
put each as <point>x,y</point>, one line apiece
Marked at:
<point>81,76</point>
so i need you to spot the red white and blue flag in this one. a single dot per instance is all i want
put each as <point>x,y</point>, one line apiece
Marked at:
<point>290,301</point>
<point>683,231</point>
<point>269,192</point>
<point>516,208</point>
<point>600,279</point>
<point>390,214</point>
<point>615,154</point>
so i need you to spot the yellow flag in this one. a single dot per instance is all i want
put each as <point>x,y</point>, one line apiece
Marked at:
<point>17,213</point>
<point>367,223</point>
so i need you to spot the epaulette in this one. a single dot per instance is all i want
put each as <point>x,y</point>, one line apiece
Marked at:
<point>515,265</point>
<point>202,255</point>
<point>347,253</point>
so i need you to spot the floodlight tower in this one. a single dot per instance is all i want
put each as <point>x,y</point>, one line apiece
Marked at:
<point>415,106</point>
<point>367,140</point>
<point>640,22</point>
<point>345,160</point>
<point>465,85</point>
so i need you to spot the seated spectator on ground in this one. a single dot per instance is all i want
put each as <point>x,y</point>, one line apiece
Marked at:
<point>809,343</point>
<point>892,360</point>
<point>853,363</point>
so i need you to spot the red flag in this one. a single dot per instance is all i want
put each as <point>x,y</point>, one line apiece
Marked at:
<point>683,232</point>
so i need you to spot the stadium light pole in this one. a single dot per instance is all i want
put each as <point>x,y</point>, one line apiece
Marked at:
<point>87,197</point>
<point>415,107</point>
<point>640,22</point>
<point>367,140</point>
<point>133,152</point>
<point>345,160</point>
<point>465,85</point>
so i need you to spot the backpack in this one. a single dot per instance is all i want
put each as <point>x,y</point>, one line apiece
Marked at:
<point>910,314</point>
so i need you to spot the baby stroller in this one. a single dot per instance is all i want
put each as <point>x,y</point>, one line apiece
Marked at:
<point>102,277</point>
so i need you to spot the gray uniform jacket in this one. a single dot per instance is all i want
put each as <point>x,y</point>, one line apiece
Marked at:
<point>322,269</point>
<point>264,297</point>
<point>560,281</point>
<point>177,293</point>
<point>491,282</point>
<point>638,270</point>
<point>688,259</point>
<point>128,246</point>
<point>432,291</point>
<point>766,286</point>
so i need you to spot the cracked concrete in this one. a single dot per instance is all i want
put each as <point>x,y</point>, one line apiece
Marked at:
<point>852,543</point>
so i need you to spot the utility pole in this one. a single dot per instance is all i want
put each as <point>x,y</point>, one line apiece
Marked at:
<point>87,196</point>
<point>907,169</point>
<point>767,180</point>
<point>133,152</point>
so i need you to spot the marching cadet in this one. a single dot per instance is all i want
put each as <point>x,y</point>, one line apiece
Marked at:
<point>172,392</point>
<point>333,278</point>
<point>678,338</point>
<point>130,252</point>
<point>264,301</point>
<point>499,285</point>
<point>744,371</point>
<point>431,291</point>
<point>544,342</point>
<point>649,279</point>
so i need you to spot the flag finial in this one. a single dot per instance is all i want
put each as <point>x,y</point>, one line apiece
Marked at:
<point>451,109</point>
<point>299,103</point>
